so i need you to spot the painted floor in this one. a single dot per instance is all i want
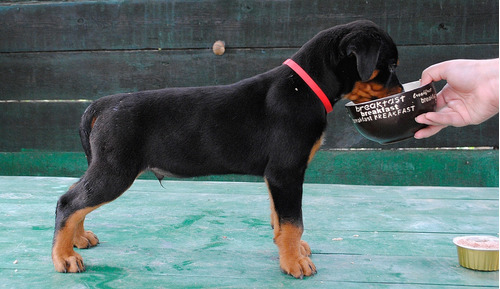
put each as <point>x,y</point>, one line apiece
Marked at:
<point>217,235</point>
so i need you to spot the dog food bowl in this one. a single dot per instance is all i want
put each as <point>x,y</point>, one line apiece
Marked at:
<point>392,118</point>
<point>477,252</point>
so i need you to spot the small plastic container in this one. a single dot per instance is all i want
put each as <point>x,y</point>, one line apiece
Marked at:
<point>477,252</point>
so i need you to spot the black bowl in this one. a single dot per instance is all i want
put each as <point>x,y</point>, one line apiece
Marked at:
<point>392,118</point>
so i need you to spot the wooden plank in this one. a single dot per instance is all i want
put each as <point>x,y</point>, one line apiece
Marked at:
<point>89,75</point>
<point>54,126</point>
<point>53,75</point>
<point>469,168</point>
<point>48,126</point>
<point>90,25</point>
<point>412,167</point>
<point>31,163</point>
<point>224,238</point>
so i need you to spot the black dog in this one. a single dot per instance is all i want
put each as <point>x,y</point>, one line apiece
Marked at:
<point>269,125</point>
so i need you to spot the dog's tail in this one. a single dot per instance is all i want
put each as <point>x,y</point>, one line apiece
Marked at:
<point>86,124</point>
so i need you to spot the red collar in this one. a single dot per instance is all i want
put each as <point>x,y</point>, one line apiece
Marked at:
<point>311,83</point>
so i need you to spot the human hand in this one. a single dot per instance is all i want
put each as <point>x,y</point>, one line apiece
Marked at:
<point>469,97</point>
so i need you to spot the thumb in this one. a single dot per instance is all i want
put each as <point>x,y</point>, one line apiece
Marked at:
<point>433,73</point>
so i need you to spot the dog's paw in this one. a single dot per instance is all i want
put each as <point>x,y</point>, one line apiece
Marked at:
<point>305,250</point>
<point>298,264</point>
<point>85,240</point>
<point>298,267</point>
<point>68,263</point>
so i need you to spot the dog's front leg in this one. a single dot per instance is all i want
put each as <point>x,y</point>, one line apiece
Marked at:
<point>286,219</point>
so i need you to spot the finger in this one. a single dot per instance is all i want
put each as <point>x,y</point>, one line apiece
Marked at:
<point>423,119</point>
<point>444,118</point>
<point>428,131</point>
<point>433,73</point>
<point>441,97</point>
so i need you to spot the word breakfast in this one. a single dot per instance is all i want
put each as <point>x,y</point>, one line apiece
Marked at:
<point>391,107</point>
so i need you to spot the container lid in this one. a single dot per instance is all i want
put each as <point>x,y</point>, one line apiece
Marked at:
<point>483,243</point>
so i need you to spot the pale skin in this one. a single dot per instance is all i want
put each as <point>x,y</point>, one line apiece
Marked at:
<point>470,96</point>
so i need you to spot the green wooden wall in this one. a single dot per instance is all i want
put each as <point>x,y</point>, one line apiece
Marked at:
<point>57,56</point>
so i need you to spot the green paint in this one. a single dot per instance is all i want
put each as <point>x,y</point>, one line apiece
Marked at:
<point>460,167</point>
<point>392,236</point>
<point>256,223</point>
<point>183,265</point>
<point>189,221</point>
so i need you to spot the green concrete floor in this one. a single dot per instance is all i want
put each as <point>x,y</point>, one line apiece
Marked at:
<point>217,235</point>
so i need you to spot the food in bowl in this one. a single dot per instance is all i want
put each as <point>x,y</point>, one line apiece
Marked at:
<point>477,252</point>
<point>392,118</point>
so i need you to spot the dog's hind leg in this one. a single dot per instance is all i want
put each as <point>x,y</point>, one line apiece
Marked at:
<point>84,239</point>
<point>101,184</point>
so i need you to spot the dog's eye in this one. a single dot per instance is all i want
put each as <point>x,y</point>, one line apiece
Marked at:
<point>393,64</point>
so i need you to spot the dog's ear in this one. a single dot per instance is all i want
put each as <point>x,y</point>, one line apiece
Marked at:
<point>366,54</point>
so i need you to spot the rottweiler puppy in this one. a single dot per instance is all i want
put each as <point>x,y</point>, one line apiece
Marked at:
<point>269,125</point>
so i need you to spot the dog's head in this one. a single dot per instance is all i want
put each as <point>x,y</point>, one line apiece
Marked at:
<point>365,62</point>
